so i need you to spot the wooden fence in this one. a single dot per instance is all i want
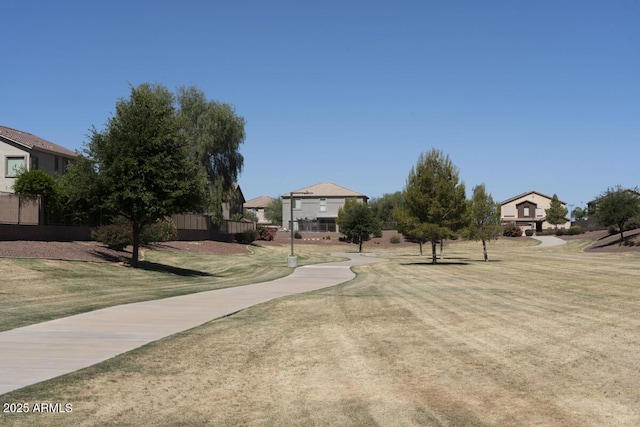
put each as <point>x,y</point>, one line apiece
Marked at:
<point>200,227</point>
<point>23,210</point>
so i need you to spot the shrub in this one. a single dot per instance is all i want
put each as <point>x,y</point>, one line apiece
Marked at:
<point>297,235</point>
<point>528,232</point>
<point>267,233</point>
<point>511,230</point>
<point>395,239</point>
<point>247,236</point>
<point>115,236</point>
<point>560,232</point>
<point>575,229</point>
<point>161,231</point>
<point>326,238</point>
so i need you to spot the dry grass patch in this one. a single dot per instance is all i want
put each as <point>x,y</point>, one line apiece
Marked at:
<point>36,290</point>
<point>535,337</point>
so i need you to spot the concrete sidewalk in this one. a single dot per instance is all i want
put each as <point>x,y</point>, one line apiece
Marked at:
<point>548,241</point>
<point>39,352</point>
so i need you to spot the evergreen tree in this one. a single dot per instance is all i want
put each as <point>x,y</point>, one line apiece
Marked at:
<point>484,218</point>
<point>556,214</point>
<point>434,201</point>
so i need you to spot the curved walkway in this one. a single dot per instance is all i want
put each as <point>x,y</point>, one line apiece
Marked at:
<point>548,241</point>
<point>39,352</point>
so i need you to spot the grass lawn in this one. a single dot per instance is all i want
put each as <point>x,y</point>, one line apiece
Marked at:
<point>534,337</point>
<point>35,290</point>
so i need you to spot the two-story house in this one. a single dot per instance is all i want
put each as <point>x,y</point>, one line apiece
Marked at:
<point>527,210</point>
<point>257,205</point>
<point>21,150</point>
<point>315,208</point>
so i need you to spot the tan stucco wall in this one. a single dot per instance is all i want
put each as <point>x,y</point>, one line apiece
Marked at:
<point>542,203</point>
<point>7,150</point>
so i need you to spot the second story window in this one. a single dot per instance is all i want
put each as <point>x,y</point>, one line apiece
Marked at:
<point>323,205</point>
<point>297,203</point>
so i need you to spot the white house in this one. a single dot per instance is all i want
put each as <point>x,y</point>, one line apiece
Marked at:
<point>20,150</point>
<point>315,208</point>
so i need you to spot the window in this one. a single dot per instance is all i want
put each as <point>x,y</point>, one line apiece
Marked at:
<point>297,203</point>
<point>14,165</point>
<point>525,211</point>
<point>509,211</point>
<point>323,205</point>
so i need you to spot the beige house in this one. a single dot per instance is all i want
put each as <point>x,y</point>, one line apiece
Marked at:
<point>315,208</point>
<point>20,150</point>
<point>257,206</point>
<point>527,210</point>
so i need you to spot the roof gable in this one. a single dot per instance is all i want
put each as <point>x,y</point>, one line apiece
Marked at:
<point>259,202</point>
<point>34,142</point>
<point>527,194</point>
<point>327,189</point>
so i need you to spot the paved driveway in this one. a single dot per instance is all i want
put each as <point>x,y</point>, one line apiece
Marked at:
<point>39,352</point>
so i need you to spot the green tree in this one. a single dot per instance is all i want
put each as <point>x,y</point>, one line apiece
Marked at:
<point>579,213</point>
<point>273,212</point>
<point>80,193</point>
<point>357,221</point>
<point>557,213</point>
<point>434,201</point>
<point>616,207</point>
<point>214,133</point>
<point>37,182</point>
<point>483,218</point>
<point>384,206</point>
<point>143,161</point>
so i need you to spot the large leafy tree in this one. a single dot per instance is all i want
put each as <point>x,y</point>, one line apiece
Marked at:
<point>556,214</point>
<point>434,201</point>
<point>384,206</point>
<point>80,193</point>
<point>214,133</point>
<point>273,212</point>
<point>143,162</point>
<point>357,221</point>
<point>483,218</point>
<point>617,206</point>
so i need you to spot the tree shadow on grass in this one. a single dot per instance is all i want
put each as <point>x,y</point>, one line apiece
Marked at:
<point>429,263</point>
<point>178,271</point>
<point>113,256</point>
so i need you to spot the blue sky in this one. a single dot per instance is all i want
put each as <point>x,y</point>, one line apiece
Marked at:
<point>521,95</point>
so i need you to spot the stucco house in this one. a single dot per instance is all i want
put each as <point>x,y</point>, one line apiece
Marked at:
<point>315,208</point>
<point>527,210</point>
<point>233,203</point>
<point>20,149</point>
<point>257,205</point>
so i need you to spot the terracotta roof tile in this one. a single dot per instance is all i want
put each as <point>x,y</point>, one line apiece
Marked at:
<point>327,189</point>
<point>34,142</point>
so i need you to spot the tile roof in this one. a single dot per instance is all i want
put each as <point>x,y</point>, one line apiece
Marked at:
<point>34,142</point>
<point>327,189</point>
<point>526,194</point>
<point>259,202</point>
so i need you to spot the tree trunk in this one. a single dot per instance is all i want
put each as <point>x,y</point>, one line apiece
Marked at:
<point>434,257</point>
<point>136,246</point>
<point>484,250</point>
<point>420,247</point>
<point>360,248</point>
<point>621,234</point>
